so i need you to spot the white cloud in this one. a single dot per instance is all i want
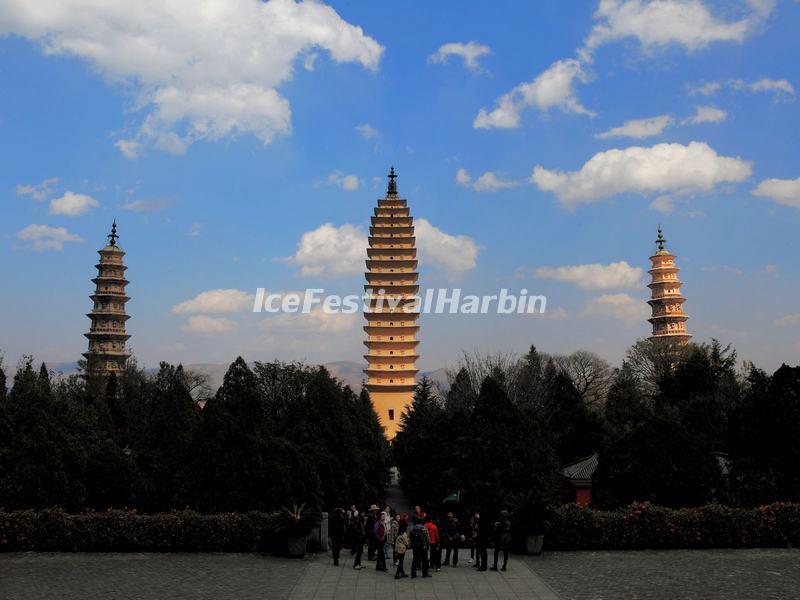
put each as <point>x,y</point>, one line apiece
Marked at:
<point>348,183</point>
<point>664,204</point>
<point>207,70</point>
<point>209,325</point>
<point>623,307</point>
<point>782,191</point>
<point>488,182</point>
<point>39,191</point>
<point>553,88</point>
<point>454,255</point>
<point>195,229</point>
<point>687,23</point>
<point>72,204</point>
<point>44,237</point>
<point>663,168</point>
<point>469,52</point>
<point>638,128</point>
<point>216,301</point>
<point>331,251</point>
<point>596,276</point>
<point>723,269</point>
<point>315,322</point>
<point>788,320</point>
<point>148,204</point>
<point>706,89</point>
<point>706,114</point>
<point>781,89</point>
<point>367,131</point>
<point>462,177</point>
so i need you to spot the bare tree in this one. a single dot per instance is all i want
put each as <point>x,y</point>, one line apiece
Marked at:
<point>590,374</point>
<point>199,386</point>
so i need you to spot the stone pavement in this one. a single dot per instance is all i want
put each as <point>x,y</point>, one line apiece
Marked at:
<point>769,574</point>
<point>135,576</point>
<point>323,581</point>
<point>757,574</point>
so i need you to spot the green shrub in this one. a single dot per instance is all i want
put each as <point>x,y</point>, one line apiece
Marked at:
<point>639,526</point>
<point>127,531</point>
<point>644,525</point>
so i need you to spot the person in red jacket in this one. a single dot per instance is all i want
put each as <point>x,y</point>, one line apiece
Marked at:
<point>435,553</point>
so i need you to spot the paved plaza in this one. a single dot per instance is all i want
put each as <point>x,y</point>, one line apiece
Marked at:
<point>707,574</point>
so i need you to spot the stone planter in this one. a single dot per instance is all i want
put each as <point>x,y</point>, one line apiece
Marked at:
<point>297,546</point>
<point>533,544</point>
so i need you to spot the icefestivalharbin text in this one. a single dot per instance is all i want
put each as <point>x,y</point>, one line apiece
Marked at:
<point>433,301</point>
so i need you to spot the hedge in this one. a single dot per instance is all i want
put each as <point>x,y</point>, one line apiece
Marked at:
<point>125,531</point>
<point>639,526</point>
<point>644,525</point>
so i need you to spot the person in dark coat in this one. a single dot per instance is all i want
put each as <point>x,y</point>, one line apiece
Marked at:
<point>451,538</point>
<point>357,535</point>
<point>372,516</point>
<point>502,539</point>
<point>420,546</point>
<point>484,535</point>
<point>337,528</point>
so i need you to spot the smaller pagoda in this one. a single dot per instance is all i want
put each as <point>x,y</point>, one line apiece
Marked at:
<point>666,301</point>
<point>107,337</point>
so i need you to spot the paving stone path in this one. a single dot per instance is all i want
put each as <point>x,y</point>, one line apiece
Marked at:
<point>323,581</point>
<point>135,576</point>
<point>769,574</point>
<point>757,574</point>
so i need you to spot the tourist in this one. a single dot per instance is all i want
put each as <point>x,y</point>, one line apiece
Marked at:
<point>379,535</point>
<point>372,516</point>
<point>420,544</point>
<point>337,528</point>
<point>502,539</point>
<point>356,533</point>
<point>473,538</point>
<point>451,537</point>
<point>419,514</point>
<point>392,527</point>
<point>401,544</point>
<point>482,543</point>
<point>433,537</point>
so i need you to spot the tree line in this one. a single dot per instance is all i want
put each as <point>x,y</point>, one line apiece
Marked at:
<point>270,436</point>
<point>674,425</point>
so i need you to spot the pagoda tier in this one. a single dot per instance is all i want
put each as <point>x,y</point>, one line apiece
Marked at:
<point>107,351</point>
<point>391,313</point>
<point>666,301</point>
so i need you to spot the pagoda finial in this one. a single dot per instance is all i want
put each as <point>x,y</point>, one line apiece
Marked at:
<point>660,241</point>
<point>112,237</point>
<point>392,189</point>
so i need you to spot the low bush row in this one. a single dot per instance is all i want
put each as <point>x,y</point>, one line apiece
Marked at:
<point>644,525</point>
<point>124,531</point>
<point>638,526</point>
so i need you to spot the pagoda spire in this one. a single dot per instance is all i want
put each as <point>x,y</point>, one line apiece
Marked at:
<point>391,329</point>
<point>107,351</point>
<point>660,241</point>
<point>666,301</point>
<point>113,237</point>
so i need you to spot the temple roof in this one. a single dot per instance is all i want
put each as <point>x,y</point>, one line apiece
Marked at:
<point>581,470</point>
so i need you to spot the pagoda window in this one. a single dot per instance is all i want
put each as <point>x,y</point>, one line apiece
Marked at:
<point>391,414</point>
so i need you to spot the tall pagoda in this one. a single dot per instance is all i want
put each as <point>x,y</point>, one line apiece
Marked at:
<point>666,301</point>
<point>391,311</point>
<point>107,338</point>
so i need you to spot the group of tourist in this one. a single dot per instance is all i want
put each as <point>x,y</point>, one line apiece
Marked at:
<point>389,536</point>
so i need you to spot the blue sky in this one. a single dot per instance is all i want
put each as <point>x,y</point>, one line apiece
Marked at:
<point>542,144</point>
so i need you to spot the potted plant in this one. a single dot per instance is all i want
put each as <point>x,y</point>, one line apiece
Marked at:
<point>528,515</point>
<point>296,523</point>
